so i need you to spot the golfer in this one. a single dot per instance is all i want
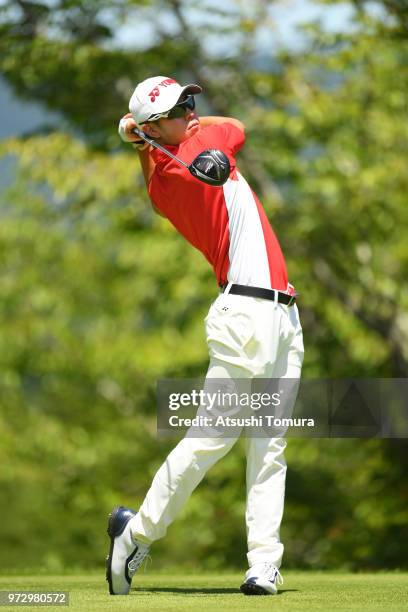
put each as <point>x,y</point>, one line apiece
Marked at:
<point>252,328</point>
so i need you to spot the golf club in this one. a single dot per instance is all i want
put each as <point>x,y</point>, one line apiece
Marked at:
<point>211,166</point>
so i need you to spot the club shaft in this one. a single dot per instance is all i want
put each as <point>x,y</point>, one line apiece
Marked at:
<point>157,146</point>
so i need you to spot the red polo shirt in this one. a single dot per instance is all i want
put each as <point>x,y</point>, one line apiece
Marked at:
<point>227,224</point>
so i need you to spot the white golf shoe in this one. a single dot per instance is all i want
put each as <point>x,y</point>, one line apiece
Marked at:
<point>125,554</point>
<point>262,579</point>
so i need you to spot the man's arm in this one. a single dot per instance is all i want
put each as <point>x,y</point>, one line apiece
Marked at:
<point>148,166</point>
<point>146,161</point>
<point>206,121</point>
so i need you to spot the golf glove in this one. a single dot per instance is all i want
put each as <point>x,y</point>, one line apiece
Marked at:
<point>125,125</point>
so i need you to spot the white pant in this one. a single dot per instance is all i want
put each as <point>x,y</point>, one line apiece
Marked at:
<point>247,338</point>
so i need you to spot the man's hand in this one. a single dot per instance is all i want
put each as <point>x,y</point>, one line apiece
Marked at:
<point>126,125</point>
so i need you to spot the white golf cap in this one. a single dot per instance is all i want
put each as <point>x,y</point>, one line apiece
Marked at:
<point>157,95</point>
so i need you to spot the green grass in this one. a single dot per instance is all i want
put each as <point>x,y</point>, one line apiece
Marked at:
<point>154,591</point>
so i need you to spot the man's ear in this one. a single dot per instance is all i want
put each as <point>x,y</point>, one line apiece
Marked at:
<point>150,130</point>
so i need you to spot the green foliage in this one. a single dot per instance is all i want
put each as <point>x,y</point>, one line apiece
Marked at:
<point>100,297</point>
<point>339,156</point>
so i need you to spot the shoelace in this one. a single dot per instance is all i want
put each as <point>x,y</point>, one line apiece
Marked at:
<point>272,573</point>
<point>137,560</point>
<point>148,560</point>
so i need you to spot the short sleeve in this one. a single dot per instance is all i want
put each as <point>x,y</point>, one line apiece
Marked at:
<point>228,137</point>
<point>234,136</point>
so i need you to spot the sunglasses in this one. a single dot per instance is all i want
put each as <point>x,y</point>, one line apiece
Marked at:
<point>177,111</point>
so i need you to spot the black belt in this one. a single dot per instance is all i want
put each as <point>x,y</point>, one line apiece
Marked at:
<point>260,292</point>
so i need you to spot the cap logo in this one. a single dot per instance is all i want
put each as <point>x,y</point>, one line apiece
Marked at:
<point>156,91</point>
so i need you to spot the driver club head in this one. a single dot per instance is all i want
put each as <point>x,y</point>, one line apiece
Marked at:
<point>211,166</point>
